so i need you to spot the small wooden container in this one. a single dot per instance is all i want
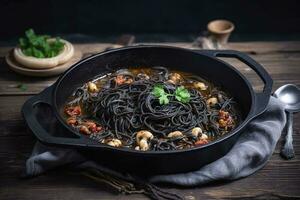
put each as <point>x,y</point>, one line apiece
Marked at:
<point>220,30</point>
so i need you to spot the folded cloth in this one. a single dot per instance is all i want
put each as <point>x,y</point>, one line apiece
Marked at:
<point>249,154</point>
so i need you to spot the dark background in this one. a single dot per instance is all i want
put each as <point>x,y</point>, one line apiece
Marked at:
<point>149,20</point>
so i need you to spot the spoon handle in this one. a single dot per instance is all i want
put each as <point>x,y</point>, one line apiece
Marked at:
<point>288,150</point>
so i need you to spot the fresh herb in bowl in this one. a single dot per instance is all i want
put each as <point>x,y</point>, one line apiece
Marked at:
<point>40,46</point>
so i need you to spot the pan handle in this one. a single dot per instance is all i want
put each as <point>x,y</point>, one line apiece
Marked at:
<point>261,99</point>
<point>42,135</point>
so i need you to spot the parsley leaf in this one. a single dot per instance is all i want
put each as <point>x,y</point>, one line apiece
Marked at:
<point>159,92</point>
<point>39,46</point>
<point>182,94</point>
<point>163,100</point>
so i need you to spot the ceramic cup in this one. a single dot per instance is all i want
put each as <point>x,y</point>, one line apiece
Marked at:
<point>220,30</point>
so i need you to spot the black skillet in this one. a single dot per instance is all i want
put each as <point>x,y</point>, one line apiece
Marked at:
<point>204,63</point>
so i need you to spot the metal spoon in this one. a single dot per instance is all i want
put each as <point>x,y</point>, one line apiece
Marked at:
<point>289,95</point>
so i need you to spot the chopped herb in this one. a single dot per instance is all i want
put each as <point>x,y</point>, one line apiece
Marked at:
<point>22,87</point>
<point>39,46</point>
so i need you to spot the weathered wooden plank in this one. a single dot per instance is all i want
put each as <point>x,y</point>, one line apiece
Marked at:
<point>247,47</point>
<point>283,68</point>
<point>10,107</point>
<point>280,61</point>
<point>265,47</point>
<point>61,186</point>
<point>250,47</point>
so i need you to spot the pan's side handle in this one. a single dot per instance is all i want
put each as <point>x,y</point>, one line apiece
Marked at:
<point>41,134</point>
<point>261,98</point>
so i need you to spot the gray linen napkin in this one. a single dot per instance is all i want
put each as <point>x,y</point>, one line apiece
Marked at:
<point>250,153</point>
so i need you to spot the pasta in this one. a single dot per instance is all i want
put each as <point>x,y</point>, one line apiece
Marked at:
<point>151,109</point>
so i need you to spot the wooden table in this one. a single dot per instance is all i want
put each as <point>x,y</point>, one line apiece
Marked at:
<point>279,179</point>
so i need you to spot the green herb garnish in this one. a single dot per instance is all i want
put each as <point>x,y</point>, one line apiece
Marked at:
<point>39,46</point>
<point>159,92</point>
<point>22,87</point>
<point>181,94</point>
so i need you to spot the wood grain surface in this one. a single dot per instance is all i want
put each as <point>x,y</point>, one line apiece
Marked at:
<point>279,179</point>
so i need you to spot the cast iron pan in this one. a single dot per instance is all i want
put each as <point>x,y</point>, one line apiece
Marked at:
<point>204,63</point>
